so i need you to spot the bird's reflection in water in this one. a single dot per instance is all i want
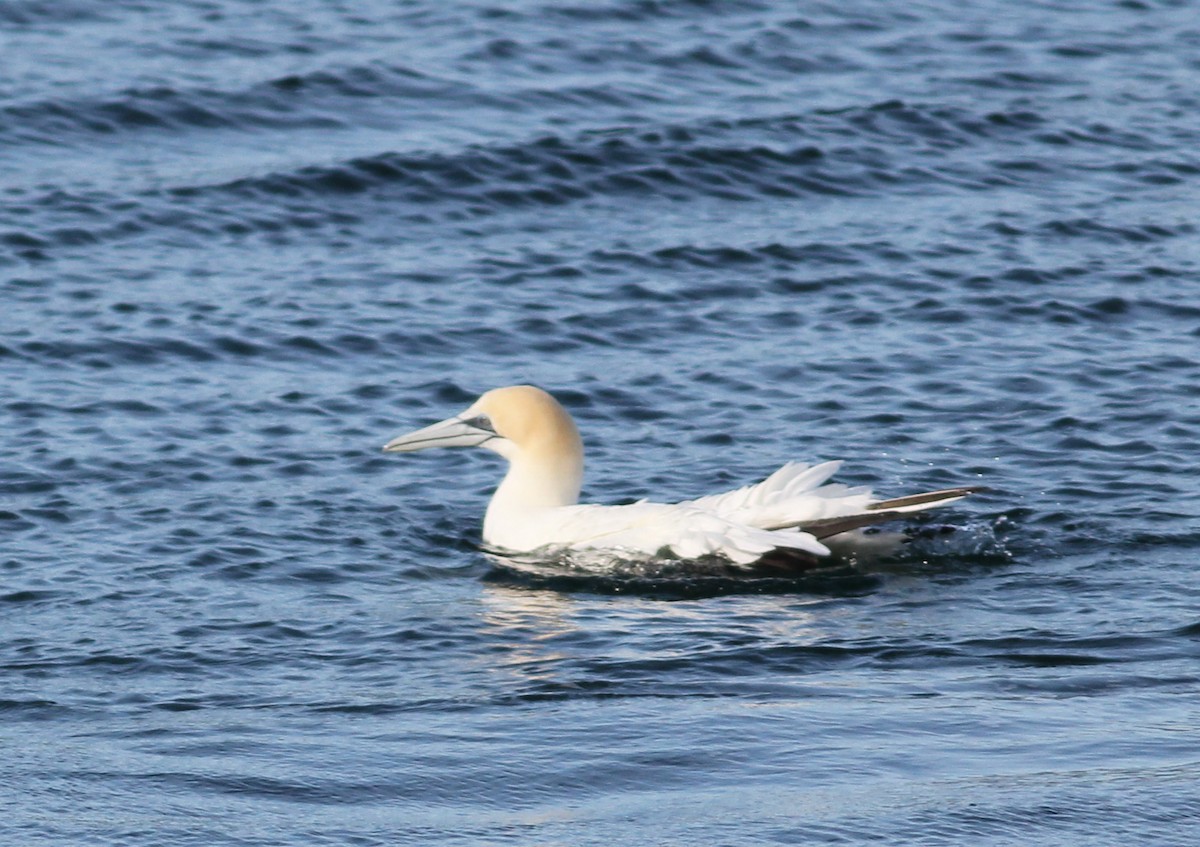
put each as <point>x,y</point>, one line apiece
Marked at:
<point>552,644</point>
<point>532,634</point>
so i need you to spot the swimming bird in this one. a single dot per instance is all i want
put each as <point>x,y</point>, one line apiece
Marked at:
<point>535,507</point>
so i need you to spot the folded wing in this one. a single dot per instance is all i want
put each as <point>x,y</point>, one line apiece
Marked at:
<point>686,530</point>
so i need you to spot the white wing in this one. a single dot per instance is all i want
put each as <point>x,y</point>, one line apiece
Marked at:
<point>792,496</point>
<point>686,529</point>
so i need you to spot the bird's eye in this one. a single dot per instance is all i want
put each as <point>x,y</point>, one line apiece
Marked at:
<point>482,422</point>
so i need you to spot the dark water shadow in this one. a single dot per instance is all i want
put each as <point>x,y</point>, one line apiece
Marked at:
<point>673,579</point>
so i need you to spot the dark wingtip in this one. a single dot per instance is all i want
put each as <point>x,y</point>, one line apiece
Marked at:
<point>927,497</point>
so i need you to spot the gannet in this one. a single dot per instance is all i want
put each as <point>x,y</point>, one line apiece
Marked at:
<point>535,507</point>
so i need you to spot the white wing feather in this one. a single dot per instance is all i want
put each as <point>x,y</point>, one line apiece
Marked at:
<point>685,529</point>
<point>791,496</point>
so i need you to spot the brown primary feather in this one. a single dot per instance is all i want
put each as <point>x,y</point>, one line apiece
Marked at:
<point>884,510</point>
<point>927,497</point>
<point>835,526</point>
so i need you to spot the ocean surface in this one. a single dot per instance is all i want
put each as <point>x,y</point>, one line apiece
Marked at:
<point>243,244</point>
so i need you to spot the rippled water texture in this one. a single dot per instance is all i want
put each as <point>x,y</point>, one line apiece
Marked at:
<point>242,244</point>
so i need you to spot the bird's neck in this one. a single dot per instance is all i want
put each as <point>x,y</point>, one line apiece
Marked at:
<point>533,482</point>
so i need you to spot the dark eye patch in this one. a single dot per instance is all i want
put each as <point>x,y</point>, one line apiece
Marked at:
<point>481,422</point>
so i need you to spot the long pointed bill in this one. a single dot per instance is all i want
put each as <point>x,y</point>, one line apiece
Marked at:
<point>452,432</point>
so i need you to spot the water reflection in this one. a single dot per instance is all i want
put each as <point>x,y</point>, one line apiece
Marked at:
<point>528,630</point>
<point>553,644</point>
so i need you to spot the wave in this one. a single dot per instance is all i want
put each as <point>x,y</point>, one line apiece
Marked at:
<point>860,152</point>
<point>314,99</point>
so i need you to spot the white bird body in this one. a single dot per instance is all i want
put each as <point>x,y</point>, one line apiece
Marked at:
<point>535,507</point>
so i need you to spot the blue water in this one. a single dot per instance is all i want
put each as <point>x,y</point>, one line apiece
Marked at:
<point>243,244</point>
